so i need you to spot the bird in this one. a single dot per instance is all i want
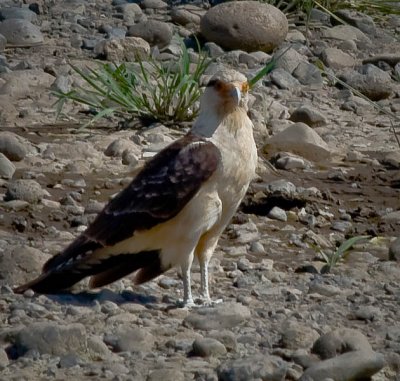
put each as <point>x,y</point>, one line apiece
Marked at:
<point>176,207</point>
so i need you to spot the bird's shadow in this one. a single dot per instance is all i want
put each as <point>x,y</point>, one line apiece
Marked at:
<point>86,298</point>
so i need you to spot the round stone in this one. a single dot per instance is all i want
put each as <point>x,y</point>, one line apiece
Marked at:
<point>245,25</point>
<point>154,32</point>
<point>20,32</point>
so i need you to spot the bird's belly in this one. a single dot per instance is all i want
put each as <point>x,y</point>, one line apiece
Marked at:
<point>177,237</point>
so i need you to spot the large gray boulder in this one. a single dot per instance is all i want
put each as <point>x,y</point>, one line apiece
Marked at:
<point>245,25</point>
<point>21,33</point>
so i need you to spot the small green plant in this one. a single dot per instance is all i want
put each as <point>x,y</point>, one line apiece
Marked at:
<point>333,258</point>
<point>149,90</point>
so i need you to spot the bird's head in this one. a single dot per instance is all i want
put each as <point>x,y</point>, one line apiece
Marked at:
<point>225,92</point>
<point>224,99</point>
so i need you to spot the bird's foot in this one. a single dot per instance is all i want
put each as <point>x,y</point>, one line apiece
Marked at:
<point>189,303</point>
<point>205,301</point>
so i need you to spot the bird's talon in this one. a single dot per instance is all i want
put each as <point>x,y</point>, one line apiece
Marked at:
<point>186,303</point>
<point>207,302</point>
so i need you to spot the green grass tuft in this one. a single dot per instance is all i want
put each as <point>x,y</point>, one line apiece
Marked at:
<point>146,89</point>
<point>333,259</point>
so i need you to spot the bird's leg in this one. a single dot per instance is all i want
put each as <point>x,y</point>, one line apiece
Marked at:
<point>204,292</point>
<point>187,288</point>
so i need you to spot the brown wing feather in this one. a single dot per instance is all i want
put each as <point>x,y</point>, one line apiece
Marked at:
<point>158,193</point>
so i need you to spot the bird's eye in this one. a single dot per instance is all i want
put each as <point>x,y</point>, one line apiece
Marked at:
<point>216,83</point>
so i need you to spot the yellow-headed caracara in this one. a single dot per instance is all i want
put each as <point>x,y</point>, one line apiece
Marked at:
<point>176,207</point>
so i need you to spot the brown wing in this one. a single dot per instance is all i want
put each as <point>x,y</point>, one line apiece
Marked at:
<point>158,193</point>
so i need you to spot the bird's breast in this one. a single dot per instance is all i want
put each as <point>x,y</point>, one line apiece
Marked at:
<point>239,159</point>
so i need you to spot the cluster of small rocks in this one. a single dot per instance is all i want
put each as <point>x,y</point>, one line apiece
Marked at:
<point>328,170</point>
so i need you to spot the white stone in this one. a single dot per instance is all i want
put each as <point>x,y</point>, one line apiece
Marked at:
<point>299,139</point>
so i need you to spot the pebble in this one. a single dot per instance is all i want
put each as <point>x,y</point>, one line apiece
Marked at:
<point>289,161</point>
<point>308,74</point>
<point>368,313</point>
<point>208,347</point>
<point>14,147</point>
<point>357,19</point>
<point>122,49</point>
<point>66,339</point>
<point>283,79</point>
<point>7,168</point>
<point>295,335</point>
<point>166,375</point>
<point>309,116</point>
<point>337,59</point>
<point>342,226</point>
<point>25,190</point>
<point>345,33</point>
<point>255,367</point>
<point>226,315</point>
<point>184,15</point>
<point>17,13</point>
<point>131,339</point>
<point>154,32</point>
<point>355,365</point>
<point>277,213</point>
<point>394,250</point>
<point>372,82</point>
<point>117,147</point>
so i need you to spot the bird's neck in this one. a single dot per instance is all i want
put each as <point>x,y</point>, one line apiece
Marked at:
<point>209,121</point>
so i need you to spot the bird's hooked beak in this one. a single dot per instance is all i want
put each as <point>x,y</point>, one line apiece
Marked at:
<point>238,91</point>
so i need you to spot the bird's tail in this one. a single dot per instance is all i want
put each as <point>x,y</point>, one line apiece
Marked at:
<point>51,282</point>
<point>146,264</point>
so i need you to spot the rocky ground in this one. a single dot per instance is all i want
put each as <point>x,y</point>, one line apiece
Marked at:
<point>335,174</point>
